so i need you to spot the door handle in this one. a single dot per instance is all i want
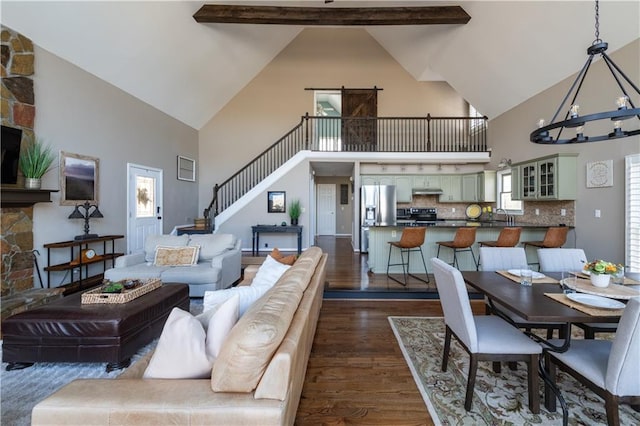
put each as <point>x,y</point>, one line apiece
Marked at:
<point>159,217</point>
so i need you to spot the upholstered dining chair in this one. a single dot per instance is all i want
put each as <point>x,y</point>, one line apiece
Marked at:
<point>411,240</point>
<point>462,241</point>
<point>508,237</point>
<point>561,259</point>
<point>505,258</point>
<point>609,368</point>
<point>484,337</point>
<point>572,260</point>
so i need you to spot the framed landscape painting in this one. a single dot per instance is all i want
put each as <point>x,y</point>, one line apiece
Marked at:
<point>78,179</point>
<point>276,202</point>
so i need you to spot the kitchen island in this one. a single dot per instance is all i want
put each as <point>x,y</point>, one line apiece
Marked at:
<point>379,237</point>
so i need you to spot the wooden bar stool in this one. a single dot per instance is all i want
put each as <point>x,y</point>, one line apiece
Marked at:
<point>555,237</point>
<point>509,237</point>
<point>410,240</point>
<point>462,241</point>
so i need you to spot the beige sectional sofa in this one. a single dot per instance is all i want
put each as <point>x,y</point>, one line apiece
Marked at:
<point>256,380</point>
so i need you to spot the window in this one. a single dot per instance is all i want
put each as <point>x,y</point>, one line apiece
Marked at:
<point>504,193</point>
<point>632,212</point>
<point>475,125</point>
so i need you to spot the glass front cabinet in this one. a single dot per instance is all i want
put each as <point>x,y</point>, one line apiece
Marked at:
<point>547,178</point>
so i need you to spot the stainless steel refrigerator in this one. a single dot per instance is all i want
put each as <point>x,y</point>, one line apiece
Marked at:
<point>377,208</point>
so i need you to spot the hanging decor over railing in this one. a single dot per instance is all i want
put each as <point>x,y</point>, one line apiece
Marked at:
<point>361,134</point>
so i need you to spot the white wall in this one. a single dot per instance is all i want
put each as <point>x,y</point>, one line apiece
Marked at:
<point>78,113</point>
<point>274,101</point>
<point>509,137</point>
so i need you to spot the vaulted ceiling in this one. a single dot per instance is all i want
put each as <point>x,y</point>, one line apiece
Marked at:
<point>155,51</point>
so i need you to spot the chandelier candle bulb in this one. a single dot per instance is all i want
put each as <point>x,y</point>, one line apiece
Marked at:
<point>574,110</point>
<point>622,102</point>
<point>541,123</point>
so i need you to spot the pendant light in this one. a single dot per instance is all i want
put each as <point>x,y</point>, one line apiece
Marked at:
<point>624,121</point>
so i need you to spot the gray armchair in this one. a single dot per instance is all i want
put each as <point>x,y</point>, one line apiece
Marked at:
<point>609,368</point>
<point>486,337</point>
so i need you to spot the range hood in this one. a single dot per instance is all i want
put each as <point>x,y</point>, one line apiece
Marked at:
<point>427,191</point>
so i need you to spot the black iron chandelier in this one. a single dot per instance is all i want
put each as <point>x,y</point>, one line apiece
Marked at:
<point>625,108</point>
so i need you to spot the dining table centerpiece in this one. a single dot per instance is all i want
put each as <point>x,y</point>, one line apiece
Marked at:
<point>600,272</point>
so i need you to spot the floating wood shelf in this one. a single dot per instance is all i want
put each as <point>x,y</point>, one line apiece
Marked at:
<point>20,197</point>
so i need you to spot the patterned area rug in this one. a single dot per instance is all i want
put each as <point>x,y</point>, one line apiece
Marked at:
<point>22,389</point>
<point>499,399</point>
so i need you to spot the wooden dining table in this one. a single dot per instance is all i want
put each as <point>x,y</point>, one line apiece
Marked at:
<point>531,303</point>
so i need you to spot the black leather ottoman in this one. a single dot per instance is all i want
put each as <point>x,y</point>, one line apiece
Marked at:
<point>67,331</point>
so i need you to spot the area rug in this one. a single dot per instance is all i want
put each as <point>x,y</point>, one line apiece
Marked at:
<point>22,389</point>
<point>499,399</point>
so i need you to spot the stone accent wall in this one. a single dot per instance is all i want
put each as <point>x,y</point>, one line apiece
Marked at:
<point>18,110</point>
<point>16,245</point>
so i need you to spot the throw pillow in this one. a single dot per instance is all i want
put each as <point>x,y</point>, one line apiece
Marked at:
<point>247,295</point>
<point>176,256</point>
<point>269,272</point>
<point>287,260</point>
<point>189,345</point>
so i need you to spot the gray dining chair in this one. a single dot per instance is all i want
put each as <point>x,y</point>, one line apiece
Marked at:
<point>609,368</point>
<point>484,337</point>
<point>572,260</point>
<point>505,258</point>
<point>561,259</point>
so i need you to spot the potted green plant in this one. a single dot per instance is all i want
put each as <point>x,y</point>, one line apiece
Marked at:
<point>35,160</point>
<point>295,209</point>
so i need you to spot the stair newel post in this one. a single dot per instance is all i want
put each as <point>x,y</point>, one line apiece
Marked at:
<point>306,131</point>
<point>428,132</point>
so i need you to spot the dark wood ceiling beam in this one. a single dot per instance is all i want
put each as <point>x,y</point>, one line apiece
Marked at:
<point>427,15</point>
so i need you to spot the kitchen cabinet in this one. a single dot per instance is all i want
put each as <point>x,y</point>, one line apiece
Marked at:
<point>516,186</point>
<point>487,186</point>
<point>470,187</point>
<point>377,180</point>
<point>404,185</point>
<point>547,178</point>
<point>451,189</point>
<point>427,181</point>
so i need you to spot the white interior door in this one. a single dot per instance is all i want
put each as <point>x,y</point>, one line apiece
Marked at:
<point>144,205</point>
<point>326,209</point>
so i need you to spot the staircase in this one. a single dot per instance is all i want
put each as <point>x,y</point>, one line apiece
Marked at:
<point>359,134</point>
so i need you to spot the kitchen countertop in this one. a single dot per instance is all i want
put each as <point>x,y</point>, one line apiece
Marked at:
<point>448,223</point>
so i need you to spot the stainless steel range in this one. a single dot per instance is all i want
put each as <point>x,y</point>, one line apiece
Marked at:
<point>424,216</point>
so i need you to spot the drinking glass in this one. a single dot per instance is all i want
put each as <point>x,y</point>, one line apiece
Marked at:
<point>526,277</point>
<point>618,277</point>
<point>565,277</point>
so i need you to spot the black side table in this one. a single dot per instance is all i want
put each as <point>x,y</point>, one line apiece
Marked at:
<point>257,229</point>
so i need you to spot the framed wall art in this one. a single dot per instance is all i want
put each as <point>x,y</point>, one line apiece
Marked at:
<point>186,169</point>
<point>276,202</point>
<point>600,174</point>
<point>78,179</point>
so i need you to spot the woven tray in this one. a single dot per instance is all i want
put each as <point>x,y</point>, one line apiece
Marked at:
<point>96,295</point>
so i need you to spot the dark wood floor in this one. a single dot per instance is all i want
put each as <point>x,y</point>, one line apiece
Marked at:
<point>356,372</point>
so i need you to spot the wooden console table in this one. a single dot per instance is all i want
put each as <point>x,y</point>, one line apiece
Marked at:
<point>76,261</point>
<point>257,229</point>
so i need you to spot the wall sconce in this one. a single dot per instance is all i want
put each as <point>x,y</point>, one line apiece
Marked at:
<point>76,214</point>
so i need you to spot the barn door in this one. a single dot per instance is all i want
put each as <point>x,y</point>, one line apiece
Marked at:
<point>359,126</point>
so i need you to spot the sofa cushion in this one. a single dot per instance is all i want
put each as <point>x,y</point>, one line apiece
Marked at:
<point>258,333</point>
<point>153,241</point>
<point>212,245</point>
<point>141,271</point>
<point>189,345</point>
<point>202,273</point>
<point>176,256</point>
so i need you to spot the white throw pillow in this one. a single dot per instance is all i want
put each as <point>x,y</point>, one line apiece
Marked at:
<point>269,272</point>
<point>246,294</point>
<point>189,345</point>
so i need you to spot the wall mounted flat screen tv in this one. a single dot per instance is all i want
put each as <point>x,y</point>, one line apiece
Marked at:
<point>10,142</point>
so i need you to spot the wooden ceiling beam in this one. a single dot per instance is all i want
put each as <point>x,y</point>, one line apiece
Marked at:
<point>235,14</point>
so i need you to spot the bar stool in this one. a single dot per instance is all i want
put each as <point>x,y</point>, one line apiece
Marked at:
<point>462,241</point>
<point>555,237</point>
<point>509,237</point>
<point>410,240</point>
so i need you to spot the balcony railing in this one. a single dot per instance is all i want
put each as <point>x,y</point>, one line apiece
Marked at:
<point>366,134</point>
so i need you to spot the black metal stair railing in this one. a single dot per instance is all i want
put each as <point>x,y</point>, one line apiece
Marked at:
<point>358,134</point>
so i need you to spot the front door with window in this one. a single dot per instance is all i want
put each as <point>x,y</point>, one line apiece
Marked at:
<point>144,205</point>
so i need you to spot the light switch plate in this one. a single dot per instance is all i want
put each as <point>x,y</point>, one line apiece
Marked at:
<point>596,213</point>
